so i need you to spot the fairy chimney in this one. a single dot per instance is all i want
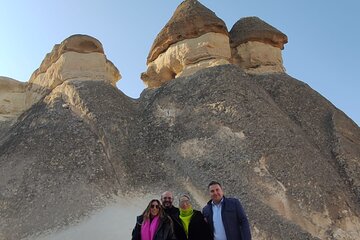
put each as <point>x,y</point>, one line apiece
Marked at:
<point>256,46</point>
<point>78,57</point>
<point>193,39</point>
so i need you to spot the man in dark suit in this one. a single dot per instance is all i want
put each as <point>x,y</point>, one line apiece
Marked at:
<point>225,216</point>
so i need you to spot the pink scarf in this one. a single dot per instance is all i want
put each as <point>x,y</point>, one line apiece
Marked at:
<point>148,229</point>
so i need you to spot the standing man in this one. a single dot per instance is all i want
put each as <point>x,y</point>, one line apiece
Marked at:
<point>167,199</point>
<point>225,216</point>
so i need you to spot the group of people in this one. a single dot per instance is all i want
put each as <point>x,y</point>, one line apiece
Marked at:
<point>221,219</point>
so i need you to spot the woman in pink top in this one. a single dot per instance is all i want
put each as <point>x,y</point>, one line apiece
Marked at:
<point>153,224</point>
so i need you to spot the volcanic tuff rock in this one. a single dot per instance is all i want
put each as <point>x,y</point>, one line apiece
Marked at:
<point>193,39</point>
<point>284,150</point>
<point>75,43</point>
<point>77,57</point>
<point>191,19</point>
<point>84,157</point>
<point>256,46</point>
<point>12,102</point>
<point>12,98</point>
<point>255,29</point>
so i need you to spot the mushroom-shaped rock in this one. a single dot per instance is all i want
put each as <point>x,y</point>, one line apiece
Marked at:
<point>194,38</point>
<point>78,57</point>
<point>191,19</point>
<point>254,29</point>
<point>76,43</point>
<point>256,46</point>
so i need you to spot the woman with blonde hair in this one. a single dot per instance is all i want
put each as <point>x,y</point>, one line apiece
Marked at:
<point>153,224</point>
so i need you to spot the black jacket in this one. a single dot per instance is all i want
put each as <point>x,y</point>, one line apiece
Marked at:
<point>198,228</point>
<point>173,212</point>
<point>164,232</point>
<point>234,218</point>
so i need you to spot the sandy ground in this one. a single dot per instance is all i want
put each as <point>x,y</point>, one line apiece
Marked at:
<point>114,222</point>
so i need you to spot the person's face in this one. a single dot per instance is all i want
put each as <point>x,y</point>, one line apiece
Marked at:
<point>216,193</point>
<point>167,199</point>
<point>154,208</point>
<point>184,203</point>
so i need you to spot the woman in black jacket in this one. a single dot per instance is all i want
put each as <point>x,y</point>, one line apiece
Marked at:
<point>153,224</point>
<point>190,224</point>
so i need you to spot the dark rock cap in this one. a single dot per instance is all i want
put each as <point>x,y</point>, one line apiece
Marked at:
<point>255,29</point>
<point>191,19</point>
<point>76,43</point>
<point>82,44</point>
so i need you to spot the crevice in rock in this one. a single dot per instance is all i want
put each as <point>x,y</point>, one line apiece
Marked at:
<point>78,107</point>
<point>340,162</point>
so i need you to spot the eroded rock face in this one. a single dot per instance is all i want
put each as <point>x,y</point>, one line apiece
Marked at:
<point>85,159</point>
<point>186,57</point>
<point>193,39</point>
<point>79,57</point>
<point>12,98</point>
<point>75,43</point>
<point>77,66</point>
<point>256,46</point>
<point>276,144</point>
<point>191,19</point>
<point>258,58</point>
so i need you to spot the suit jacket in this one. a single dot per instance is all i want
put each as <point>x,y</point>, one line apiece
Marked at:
<point>234,219</point>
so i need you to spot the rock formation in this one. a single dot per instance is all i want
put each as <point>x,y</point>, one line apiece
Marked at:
<point>12,102</point>
<point>85,159</point>
<point>287,152</point>
<point>256,46</point>
<point>12,98</point>
<point>193,39</point>
<point>79,57</point>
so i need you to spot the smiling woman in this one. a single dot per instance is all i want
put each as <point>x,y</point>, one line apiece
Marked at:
<point>276,142</point>
<point>153,224</point>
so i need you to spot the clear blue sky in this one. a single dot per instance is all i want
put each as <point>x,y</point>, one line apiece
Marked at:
<point>323,48</point>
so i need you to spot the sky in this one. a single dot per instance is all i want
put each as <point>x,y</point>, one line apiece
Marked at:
<point>323,49</point>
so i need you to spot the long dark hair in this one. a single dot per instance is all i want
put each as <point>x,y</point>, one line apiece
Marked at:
<point>147,213</point>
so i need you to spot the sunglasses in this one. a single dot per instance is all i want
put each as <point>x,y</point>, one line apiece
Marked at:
<point>155,206</point>
<point>185,201</point>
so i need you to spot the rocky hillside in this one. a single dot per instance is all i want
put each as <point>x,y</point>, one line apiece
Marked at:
<point>79,159</point>
<point>290,155</point>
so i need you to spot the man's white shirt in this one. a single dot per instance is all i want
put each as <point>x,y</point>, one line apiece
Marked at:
<point>219,230</point>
